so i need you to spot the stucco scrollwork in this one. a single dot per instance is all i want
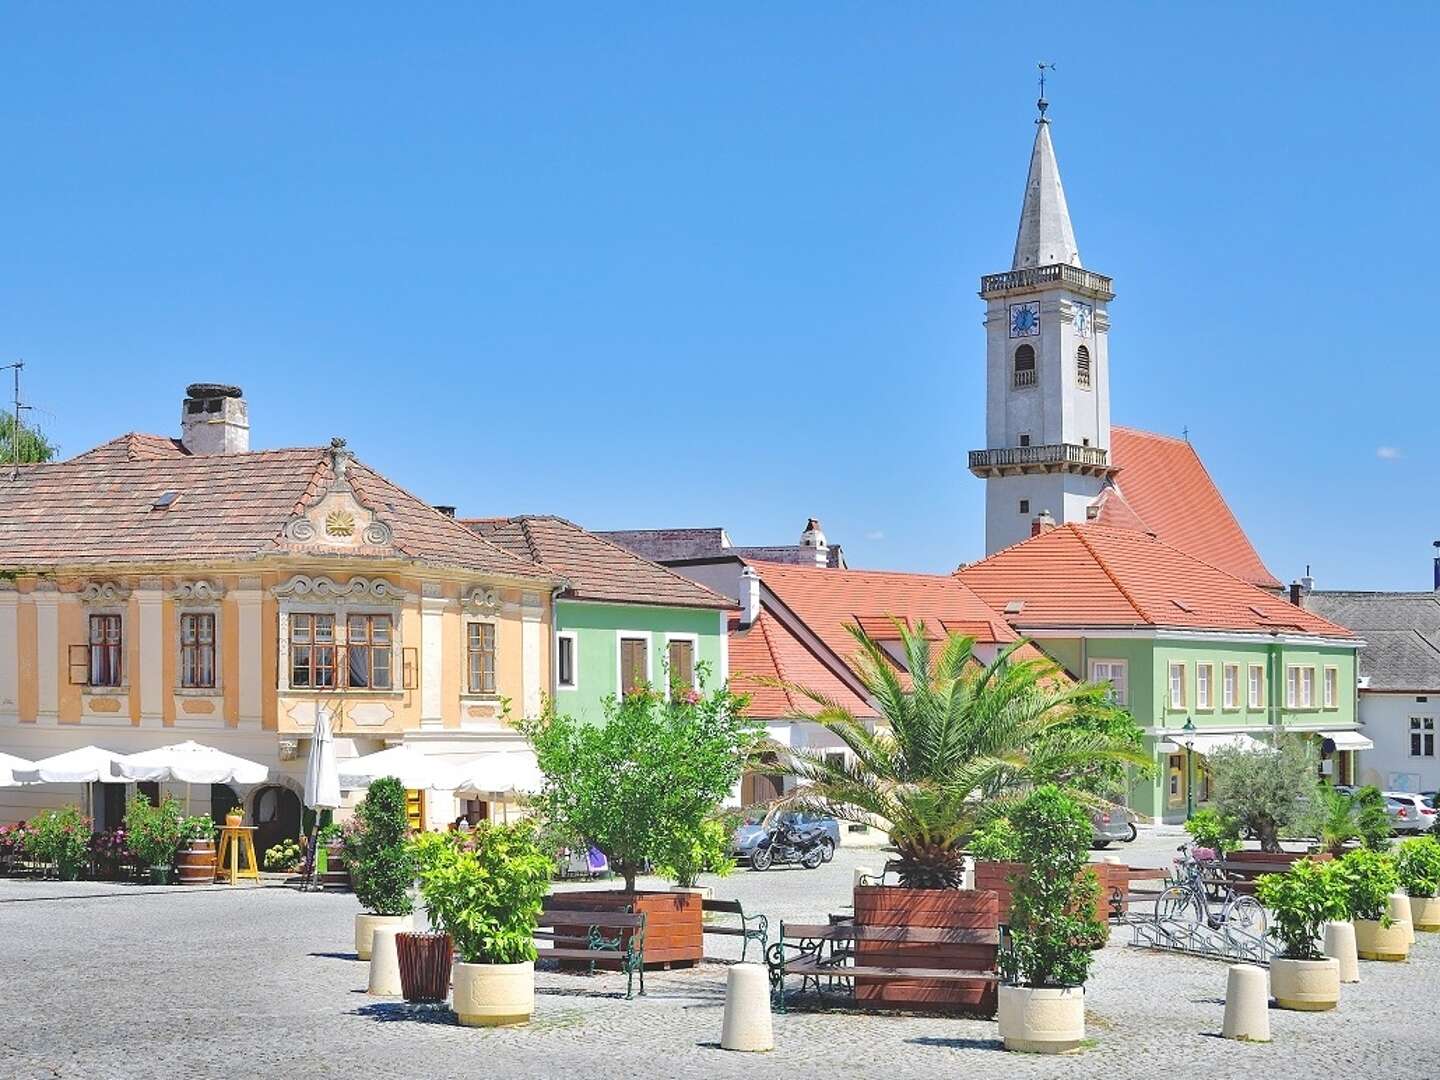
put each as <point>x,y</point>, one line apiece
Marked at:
<point>198,592</point>
<point>104,592</point>
<point>357,589</point>
<point>483,600</point>
<point>300,530</point>
<point>377,534</point>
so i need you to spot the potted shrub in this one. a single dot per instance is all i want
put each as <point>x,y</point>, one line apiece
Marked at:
<point>61,838</point>
<point>1369,877</point>
<point>1301,901</point>
<point>1417,861</point>
<point>235,816</point>
<point>641,787</point>
<point>1053,928</point>
<point>486,889</point>
<point>196,861</point>
<point>1211,829</point>
<point>383,868</point>
<point>706,851</point>
<point>153,834</point>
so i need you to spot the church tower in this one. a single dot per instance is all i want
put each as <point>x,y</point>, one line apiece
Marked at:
<point>1047,400</point>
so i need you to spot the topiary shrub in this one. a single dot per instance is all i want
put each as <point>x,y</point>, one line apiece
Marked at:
<point>1301,901</point>
<point>383,866</point>
<point>1417,861</point>
<point>1368,878</point>
<point>1053,925</point>
<point>995,841</point>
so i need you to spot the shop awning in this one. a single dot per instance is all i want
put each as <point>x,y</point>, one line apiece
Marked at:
<point>1347,740</point>
<point>1205,742</point>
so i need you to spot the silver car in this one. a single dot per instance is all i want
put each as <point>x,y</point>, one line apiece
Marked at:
<point>1111,825</point>
<point>1409,812</point>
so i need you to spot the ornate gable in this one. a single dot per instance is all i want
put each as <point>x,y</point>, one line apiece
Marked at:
<point>337,519</point>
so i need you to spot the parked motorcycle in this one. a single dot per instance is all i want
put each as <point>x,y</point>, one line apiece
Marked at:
<point>790,844</point>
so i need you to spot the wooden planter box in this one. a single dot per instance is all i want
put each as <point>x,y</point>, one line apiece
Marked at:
<point>940,909</point>
<point>998,877</point>
<point>674,926</point>
<point>1289,857</point>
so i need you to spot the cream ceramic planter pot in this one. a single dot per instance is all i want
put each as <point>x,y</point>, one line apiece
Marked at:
<point>1038,1020</point>
<point>494,995</point>
<point>1305,985</point>
<point>1376,942</point>
<point>1425,912</point>
<point>365,929</point>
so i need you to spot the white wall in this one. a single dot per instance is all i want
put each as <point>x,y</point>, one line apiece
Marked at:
<point>1385,720</point>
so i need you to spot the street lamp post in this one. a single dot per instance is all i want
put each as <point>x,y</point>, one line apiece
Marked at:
<point>1189,730</point>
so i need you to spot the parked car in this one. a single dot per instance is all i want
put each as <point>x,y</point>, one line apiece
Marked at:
<point>1111,825</point>
<point>1409,812</point>
<point>742,846</point>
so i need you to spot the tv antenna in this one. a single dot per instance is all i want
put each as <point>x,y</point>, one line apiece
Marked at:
<point>16,368</point>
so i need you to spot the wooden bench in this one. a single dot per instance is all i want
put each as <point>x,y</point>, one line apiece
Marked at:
<point>825,955</point>
<point>751,928</point>
<point>592,938</point>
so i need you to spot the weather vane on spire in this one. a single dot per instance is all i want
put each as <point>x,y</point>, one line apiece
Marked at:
<point>1042,104</point>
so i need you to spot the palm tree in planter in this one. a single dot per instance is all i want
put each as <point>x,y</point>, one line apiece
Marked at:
<point>486,890</point>
<point>1418,862</point>
<point>1301,901</point>
<point>1054,927</point>
<point>381,863</point>
<point>959,742</point>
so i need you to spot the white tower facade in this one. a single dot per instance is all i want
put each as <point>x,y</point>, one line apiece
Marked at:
<point>1047,401</point>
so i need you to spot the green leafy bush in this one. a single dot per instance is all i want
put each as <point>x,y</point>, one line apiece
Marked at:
<point>1301,901</point>
<point>153,833</point>
<point>383,867</point>
<point>1417,861</point>
<point>705,851</point>
<point>1368,877</point>
<point>1372,819</point>
<point>485,889</point>
<point>61,837</point>
<point>1053,925</point>
<point>995,840</point>
<point>282,857</point>
<point>1211,829</point>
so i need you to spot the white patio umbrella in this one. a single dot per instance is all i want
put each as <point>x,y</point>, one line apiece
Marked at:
<point>84,765</point>
<point>322,784</point>
<point>190,763</point>
<point>413,769</point>
<point>502,773</point>
<point>8,764</point>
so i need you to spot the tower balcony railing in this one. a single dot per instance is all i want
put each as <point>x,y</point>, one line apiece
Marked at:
<point>1051,457</point>
<point>1055,274</point>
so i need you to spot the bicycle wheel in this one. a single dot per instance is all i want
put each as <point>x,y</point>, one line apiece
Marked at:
<point>1178,904</point>
<point>1245,913</point>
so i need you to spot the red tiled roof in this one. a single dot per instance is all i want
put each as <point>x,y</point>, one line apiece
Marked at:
<point>769,650</point>
<point>1166,490</point>
<point>97,508</point>
<point>1093,575</point>
<point>598,569</point>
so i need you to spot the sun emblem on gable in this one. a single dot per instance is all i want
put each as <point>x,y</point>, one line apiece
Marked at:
<point>339,523</point>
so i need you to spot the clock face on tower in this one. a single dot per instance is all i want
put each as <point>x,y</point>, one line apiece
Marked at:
<point>1025,319</point>
<point>1084,315</point>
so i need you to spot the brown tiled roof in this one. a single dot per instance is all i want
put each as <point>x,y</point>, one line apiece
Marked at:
<point>597,568</point>
<point>1164,484</point>
<point>768,650</point>
<point>1095,576</point>
<point>97,508</point>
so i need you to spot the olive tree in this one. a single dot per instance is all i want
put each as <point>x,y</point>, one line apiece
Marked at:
<point>1265,789</point>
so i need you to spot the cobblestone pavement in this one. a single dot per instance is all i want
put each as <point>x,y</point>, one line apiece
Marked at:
<point>115,981</point>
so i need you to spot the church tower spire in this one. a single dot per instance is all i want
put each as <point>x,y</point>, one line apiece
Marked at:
<point>1047,402</point>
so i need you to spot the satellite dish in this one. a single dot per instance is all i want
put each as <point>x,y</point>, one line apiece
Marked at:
<point>1327,746</point>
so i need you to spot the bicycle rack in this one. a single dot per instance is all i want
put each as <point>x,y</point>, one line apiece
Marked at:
<point>1197,939</point>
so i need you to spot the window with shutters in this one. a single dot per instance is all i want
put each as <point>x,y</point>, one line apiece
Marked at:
<point>480,657</point>
<point>680,654</point>
<point>1082,367</point>
<point>197,649</point>
<point>1025,366</point>
<point>105,650</point>
<point>634,664</point>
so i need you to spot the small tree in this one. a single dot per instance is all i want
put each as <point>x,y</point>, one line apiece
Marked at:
<point>1214,830</point>
<point>1336,819</point>
<point>640,785</point>
<point>1372,819</point>
<point>1417,861</point>
<point>707,851</point>
<point>1053,925</point>
<point>1265,789</point>
<point>383,868</point>
<point>154,833</point>
<point>1368,878</point>
<point>1301,901</point>
<point>33,445</point>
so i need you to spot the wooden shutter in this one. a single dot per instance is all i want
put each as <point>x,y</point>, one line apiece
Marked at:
<point>632,664</point>
<point>682,664</point>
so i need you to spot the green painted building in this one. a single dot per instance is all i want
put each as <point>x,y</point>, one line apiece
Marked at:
<point>621,621</point>
<point>1199,657</point>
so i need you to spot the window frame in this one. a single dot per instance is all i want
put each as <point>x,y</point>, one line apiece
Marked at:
<point>693,640</point>
<point>474,687</point>
<point>1122,698</point>
<point>1255,688</point>
<point>1292,686</point>
<point>1032,377</point>
<point>313,616</point>
<point>1170,698</point>
<point>573,639</point>
<point>1330,687</point>
<point>370,650</point>
<point>1230,687</point>
<point>1207,701</point>
<point>112,651</point>
<point>1083,378</point>
<point>197,647</point>
<point>622,636</point>
<point>1307,686</point>
<point>1422,735</point>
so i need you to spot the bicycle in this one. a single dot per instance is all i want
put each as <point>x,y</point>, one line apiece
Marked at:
<point>1189,898</point>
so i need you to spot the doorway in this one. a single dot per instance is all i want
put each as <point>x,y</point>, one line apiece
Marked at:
<point>276,815</point>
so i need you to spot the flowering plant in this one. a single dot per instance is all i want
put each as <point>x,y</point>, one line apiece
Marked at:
<point>61,837</point>
<point>12,840</point>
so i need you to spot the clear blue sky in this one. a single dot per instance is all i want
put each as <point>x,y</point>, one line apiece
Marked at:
<point>661,264</point>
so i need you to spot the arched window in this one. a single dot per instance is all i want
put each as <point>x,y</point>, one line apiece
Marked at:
<point>1082,367</point>
<point>1025,366</point>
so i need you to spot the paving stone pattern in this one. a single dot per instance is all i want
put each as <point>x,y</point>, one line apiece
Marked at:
<point>115,981</point>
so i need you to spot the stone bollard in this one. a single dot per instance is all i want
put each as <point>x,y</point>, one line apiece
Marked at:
<point>384,963</point>
<point>1340,946</point>
<point>1400,912</point>
<point>747,1009</point>
<point>864,875</point>
<point>1247,1004</point>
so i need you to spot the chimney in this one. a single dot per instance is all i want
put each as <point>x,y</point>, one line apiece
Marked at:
<point>749,596</point>
<point>1297,594</point>
<point>1437,566</point>
<point>814,537</point>
<point>1042,524</point>
<point>213,420</point>
<point>448,511</point>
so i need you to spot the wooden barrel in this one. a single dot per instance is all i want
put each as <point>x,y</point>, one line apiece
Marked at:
<point>196,863</point>
<point>337,874</point>
<point>425,962</point>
